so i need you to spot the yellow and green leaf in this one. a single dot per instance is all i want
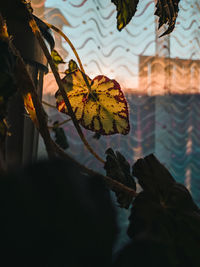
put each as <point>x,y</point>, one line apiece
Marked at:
<point>57,59</point>
<point>71,67</point>
<point>99,104</point>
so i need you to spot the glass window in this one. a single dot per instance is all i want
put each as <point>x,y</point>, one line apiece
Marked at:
<point>159,76</point>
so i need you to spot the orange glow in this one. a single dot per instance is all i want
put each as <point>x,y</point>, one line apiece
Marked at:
<point>157,76</point>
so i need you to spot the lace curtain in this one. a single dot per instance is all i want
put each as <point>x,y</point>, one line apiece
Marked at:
<point>159,76</point>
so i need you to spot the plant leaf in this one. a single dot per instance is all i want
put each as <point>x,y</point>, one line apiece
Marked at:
<point>28,104</point>
<point>152,175</point>
<point>102,108</point>
<point>3,30</point>
<point>57,59</point>
<point>164,213</point>
<point>167,11</point>
<point>118,168</point>
<point>125,11</point>
<point>97,136</point>
<point>71,67</point>
<point>162,196</point>
<point>60,137</point>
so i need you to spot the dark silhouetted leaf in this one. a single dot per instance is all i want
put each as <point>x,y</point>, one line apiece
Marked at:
<point>97,136</point>
<point>167,11</point>
<point>60,137</point>
<point>118,168</point>
<point>125,11</point>
<point>165,213</point>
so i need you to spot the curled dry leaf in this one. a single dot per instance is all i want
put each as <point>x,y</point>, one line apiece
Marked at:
<point>167,11</point>
<point>99,104</point>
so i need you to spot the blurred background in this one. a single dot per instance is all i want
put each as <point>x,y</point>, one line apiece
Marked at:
<point>159,76</point>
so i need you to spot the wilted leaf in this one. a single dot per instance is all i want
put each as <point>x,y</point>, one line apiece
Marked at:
<point>167,11</point>
<point>100,108</point>
<point>60,137</point>
<point>28,104</point>
<point>118,168</point>
<point>125,11</point>
<point>57,59</point>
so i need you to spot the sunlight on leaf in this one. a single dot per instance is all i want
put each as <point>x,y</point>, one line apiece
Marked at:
<point>57,59</point>
<point>28,104</point>
<point>101,108</point>
<point>3,29</point>
<point>125,11</point>
<point>71,67</point>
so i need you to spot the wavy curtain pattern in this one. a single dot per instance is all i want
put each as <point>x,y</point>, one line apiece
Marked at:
<point>160,77</point>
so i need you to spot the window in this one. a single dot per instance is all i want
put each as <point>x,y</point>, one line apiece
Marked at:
<point>160,77</point>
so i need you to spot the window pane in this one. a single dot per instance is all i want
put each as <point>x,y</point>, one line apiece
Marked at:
<point>160,77</point>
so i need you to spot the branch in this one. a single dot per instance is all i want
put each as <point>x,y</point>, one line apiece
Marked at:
<point>111,183</point>
<point>60,123</point>
<point>38,35</point>
<point>69,43</point>
<point>49,105</point>
<point>25,81</point>
<point>24,78</point>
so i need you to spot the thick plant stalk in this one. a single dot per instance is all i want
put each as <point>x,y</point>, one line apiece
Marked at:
<point>110,182</point>
<point>25,81</point>
<point>37,33</point>
<point>25,85</point>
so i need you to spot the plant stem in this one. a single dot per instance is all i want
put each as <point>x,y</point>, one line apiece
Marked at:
<point>111,183</point>
<point>24,81</point>
<point>75,53</point>
<point>69,43</point>
<point>37,33</point>
<point>60,124</point>
<point>49,105</point>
